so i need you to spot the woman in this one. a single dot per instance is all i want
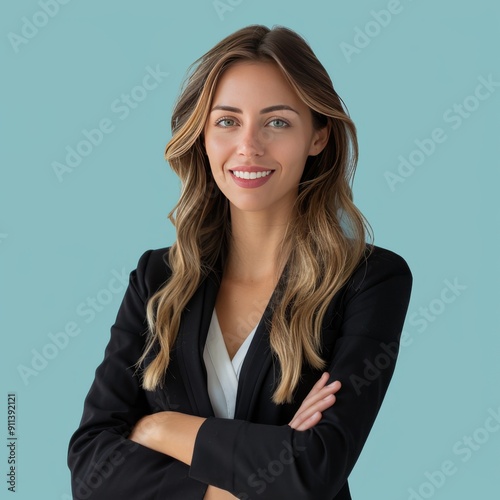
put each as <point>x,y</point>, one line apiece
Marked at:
<point>272,326</point>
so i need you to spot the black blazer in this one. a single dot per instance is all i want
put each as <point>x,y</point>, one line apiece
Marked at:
<point>256,455</point>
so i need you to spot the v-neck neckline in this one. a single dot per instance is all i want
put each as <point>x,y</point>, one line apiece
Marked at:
<point>242,348</point>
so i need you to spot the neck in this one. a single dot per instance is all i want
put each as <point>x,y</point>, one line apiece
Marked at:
<point>256,239</point>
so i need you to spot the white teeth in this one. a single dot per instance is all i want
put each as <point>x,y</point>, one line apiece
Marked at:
<point>251,175</point>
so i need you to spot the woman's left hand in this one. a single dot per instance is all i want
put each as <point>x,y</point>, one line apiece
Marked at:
<point>320,398</point>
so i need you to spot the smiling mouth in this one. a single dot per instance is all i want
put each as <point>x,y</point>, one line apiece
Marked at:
<point>251,175</point>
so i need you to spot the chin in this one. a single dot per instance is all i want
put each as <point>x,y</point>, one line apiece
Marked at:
<point>249,206</point>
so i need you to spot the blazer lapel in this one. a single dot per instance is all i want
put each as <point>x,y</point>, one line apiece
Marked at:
<point>257,363</point>
<point>254,369</point>
<point>191,342</point>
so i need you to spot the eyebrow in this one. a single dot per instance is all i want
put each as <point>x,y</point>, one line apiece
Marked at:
<point>270,109</point>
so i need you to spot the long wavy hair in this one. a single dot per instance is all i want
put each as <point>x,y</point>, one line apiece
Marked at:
<point>325,238</point>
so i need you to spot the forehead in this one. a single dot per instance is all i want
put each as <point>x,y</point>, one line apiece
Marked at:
<point>257,80</point>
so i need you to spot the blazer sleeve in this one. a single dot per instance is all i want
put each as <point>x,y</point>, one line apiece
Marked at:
<point>254,460</point>
<point>105,464</point>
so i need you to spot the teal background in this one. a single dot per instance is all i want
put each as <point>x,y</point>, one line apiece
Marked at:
<point>61,241</point>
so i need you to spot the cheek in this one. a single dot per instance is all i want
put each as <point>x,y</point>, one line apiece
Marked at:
<point>219,154</point>
<point>217,145</point>
<point>216,158</point>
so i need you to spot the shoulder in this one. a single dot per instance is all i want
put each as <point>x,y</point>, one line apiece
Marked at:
<point>379,260</point>
<point>374,300</point>
<point>380,265</point>
<point>152,271</point>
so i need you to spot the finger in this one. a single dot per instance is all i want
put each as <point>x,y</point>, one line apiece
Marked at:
<point>321,405</point>
<point>318,385</point>
<point>316,402</point>
<point>332,388</point>
<point>322,380</point>
<point>309,423</point>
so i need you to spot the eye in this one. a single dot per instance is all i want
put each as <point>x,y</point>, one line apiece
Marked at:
<point>279,123</point>
<point>225,122</point>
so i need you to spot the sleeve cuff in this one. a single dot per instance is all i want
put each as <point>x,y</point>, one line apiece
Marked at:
<point>213,454</point>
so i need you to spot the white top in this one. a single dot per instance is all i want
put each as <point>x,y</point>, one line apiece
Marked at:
<point>222,372</point>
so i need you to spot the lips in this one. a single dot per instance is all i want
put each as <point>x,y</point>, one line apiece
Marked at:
<point>251,176</point>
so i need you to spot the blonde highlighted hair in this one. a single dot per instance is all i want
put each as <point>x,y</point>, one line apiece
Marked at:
<point>324,241</point>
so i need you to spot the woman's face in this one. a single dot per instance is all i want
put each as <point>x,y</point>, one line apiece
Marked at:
<point>258,136</point>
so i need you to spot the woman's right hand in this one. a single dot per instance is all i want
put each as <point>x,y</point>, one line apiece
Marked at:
<point>320,398</point>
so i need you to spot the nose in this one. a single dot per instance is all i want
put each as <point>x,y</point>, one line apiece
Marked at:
<point>251,141</point>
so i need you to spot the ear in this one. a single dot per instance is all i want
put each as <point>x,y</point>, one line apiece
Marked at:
<point>319,141</point>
